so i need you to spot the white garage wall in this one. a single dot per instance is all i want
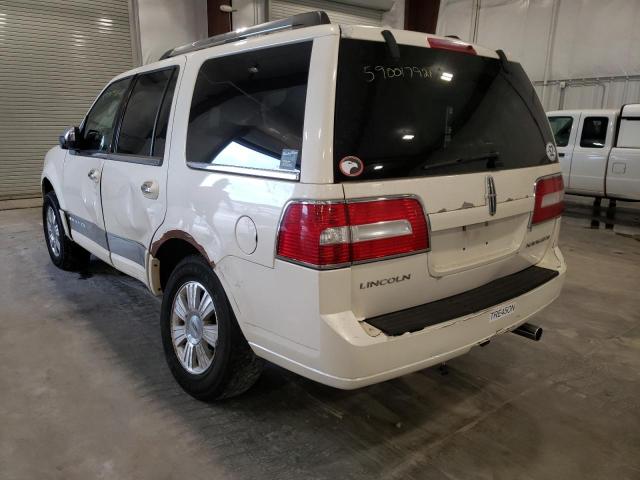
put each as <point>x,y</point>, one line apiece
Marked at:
<point>589,49</point>
<point>55,56</point>
<point>164,24</point>
<point>250,12</point>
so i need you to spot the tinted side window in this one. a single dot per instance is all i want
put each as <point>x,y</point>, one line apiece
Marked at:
<point>136,131</point>
<point>97,131</point>
<point>561,128</point>
<point>163,118</point>
<point>594,132</point>
<point>248,109</point>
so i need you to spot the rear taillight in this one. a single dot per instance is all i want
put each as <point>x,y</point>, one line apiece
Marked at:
<point>549,199</point>
<point>337,234</point>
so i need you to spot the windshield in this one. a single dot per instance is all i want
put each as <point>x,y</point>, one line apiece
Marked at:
<point>432,112</point>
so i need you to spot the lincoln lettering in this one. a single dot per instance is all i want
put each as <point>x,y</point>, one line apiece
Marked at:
<point>384,281</point>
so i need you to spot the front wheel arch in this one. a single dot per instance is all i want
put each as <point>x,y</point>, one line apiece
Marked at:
<point>46,186</point>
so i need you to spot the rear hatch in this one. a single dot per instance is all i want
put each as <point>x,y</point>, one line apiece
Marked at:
<point>462,133</point>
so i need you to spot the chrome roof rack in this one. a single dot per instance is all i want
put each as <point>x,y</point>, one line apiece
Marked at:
<point>301,20</point>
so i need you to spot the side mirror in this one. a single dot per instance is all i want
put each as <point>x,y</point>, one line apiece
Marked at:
<point>68,140</point>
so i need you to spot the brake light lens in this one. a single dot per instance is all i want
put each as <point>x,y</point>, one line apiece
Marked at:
<point>337,234</point>
<point>549,202</point>
<point>452,44</point>
<point>306,233</point>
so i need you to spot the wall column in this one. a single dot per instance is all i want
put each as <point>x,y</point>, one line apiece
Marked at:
<point>421,15</point>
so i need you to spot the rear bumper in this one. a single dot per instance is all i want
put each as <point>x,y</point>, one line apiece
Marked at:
<point>351,358</point>
<point>477,300</point>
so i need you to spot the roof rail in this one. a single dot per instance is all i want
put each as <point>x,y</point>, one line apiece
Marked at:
<point>300,20</point>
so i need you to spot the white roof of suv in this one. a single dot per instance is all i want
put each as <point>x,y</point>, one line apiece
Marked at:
<point>318,19</point>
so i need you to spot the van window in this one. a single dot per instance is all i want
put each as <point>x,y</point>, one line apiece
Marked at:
<point>629,134</point>
<point>561,128</point>
<point>137,128</point>
<point>97,129</point>
<point>594,132</point>
<point>248,109</point>
<point>433,112</point>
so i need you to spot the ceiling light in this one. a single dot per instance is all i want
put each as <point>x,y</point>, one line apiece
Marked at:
<point>446,76</point>
<point>378,167</point>
<point>408,136</point>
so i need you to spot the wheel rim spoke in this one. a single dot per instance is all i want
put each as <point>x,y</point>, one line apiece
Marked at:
<point>180,308</point>
<point>192,296</point>
<point>206,306</point>
<point>203,359</point>
<point>188,356</point>
<point>210,334</point>
<point>179,334</point>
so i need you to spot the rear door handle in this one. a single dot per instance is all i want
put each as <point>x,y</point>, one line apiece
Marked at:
<point>561,154</point>
<point>94,175</point>
<point>150,189</point>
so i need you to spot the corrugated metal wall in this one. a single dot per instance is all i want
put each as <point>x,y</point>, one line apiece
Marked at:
<point>338,12</point>
<point>55,57</point>
<point>594,59</point>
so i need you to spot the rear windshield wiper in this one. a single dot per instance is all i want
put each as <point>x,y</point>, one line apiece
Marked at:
<point>490,157</point>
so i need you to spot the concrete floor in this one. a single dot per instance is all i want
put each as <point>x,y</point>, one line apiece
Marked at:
<point>85,393</point>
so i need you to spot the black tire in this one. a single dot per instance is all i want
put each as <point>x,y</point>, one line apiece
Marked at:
<point>234,367</point>
<point>66,254</point>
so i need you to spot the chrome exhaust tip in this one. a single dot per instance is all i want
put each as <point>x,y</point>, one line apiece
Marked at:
<point>529,330</point>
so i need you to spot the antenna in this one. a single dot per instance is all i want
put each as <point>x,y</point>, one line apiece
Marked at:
<point>301,20</point>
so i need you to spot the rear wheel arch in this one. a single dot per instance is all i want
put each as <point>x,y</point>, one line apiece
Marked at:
<point>171,249</point>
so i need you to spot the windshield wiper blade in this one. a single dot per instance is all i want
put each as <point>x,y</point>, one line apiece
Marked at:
<point>490,156</point>
<point>484,156</point>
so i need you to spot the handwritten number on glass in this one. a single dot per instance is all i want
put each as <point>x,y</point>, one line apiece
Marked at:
<point>385,73</point>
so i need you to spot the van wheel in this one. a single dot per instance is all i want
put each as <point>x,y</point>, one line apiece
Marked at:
<point>203,344</point>
<point>64,253</point>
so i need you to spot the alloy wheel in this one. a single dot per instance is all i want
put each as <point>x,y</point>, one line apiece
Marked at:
<point>53,232</point>
<point>194,327</point>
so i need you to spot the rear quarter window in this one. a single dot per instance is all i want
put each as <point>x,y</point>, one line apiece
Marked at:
<point>248,110</point>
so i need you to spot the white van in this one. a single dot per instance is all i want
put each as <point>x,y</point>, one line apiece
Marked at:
<point>599,151</point>
<point>350,203</point>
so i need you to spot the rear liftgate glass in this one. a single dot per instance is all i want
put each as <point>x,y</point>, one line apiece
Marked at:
<point>433,111</point>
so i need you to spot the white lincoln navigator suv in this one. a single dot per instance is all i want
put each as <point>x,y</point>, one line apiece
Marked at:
<point>350,203</point>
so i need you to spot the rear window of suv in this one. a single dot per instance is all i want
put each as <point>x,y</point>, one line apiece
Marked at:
<point>433,112</point>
